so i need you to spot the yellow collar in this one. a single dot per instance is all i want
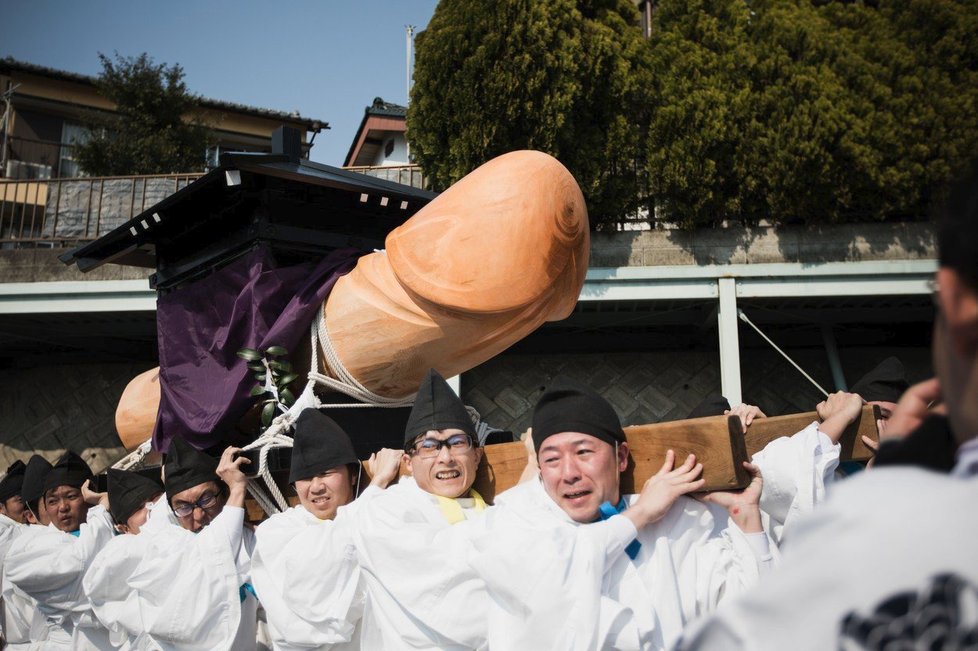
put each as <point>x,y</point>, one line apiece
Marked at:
<point>451,510</point>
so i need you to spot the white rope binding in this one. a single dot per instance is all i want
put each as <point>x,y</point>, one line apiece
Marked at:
<point>343,382</point>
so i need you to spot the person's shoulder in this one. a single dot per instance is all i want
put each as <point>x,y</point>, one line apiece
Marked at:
<point>519,494</point>
<point>906,484</point>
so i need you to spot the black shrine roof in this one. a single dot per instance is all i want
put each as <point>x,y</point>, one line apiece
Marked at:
<point>299,207</point>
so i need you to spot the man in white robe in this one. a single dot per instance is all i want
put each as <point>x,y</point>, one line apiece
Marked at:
<point>48,564</point>
<point>570,563</point>
<point>106,584</point>
<point>193,580</point>
<point>304,568</point>
<point>412,539</point>
<point>16,611</point>
<point>187,572</point>
<point>900,541</point>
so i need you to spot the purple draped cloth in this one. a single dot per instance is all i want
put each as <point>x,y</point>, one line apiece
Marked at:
<point>251,303</point>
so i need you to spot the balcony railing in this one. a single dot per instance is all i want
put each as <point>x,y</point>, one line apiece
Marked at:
<point>42,212</point>
<point>49,213</point>
<point>403,174</point>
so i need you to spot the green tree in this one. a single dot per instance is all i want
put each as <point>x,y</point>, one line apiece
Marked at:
<point>154,129</point>
<point>568,77</point>
<point>810,112</point>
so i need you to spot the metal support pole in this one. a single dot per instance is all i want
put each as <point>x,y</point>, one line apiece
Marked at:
<point>832,351</point>
<point>727,325</point>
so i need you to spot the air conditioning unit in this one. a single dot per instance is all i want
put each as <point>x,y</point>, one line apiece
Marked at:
<point>19,170</point>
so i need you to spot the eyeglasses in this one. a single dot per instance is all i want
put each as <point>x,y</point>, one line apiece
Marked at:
<point>206,501</point>
<point>456,444</point>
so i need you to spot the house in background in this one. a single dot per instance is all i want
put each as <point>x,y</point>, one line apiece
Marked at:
<point>380,147</point>
<point>381,138</point>
<point>44,112</point>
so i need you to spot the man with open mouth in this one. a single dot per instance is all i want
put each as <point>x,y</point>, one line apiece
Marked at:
<point>48,564</point>
<point>571,563</point>
<point>304,567</point>
<point>412,540</point>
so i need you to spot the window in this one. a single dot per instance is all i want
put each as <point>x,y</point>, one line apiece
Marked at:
<point>71,135</point>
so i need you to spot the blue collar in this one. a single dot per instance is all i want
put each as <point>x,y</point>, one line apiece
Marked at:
<point>75,533</point>
<point>244,590</point>
<point>606,511</point>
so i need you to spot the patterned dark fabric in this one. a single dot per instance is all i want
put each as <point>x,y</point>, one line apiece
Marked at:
<point>941,616</point>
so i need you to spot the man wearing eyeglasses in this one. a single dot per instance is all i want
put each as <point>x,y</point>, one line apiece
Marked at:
<point>189,568</point>
<point>48,564</point>
<point>412,540</point>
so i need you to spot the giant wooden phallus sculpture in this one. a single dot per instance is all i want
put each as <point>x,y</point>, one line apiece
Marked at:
<point>488,261</point>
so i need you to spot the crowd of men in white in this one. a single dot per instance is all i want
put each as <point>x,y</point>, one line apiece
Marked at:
<point>561,561</point>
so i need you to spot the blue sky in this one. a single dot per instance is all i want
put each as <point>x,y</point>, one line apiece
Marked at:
<point>327,59</point>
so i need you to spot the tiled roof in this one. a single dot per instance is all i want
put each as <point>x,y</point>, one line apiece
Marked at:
<point>9,65</point>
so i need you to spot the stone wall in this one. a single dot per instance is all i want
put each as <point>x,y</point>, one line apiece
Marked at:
<point>46,410</point>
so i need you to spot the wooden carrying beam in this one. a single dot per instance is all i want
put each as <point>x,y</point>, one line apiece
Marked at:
<point>717,441</point>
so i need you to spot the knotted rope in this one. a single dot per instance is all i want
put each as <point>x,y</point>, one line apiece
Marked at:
<point>340,381</point>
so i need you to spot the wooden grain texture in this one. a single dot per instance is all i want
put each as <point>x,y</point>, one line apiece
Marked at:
<point>764,430</point>
<point>430,300</point>
<point>717,441</point>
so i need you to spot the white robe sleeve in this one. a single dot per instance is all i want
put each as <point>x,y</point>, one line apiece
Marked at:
<point>692,560</point>
<point>796,471</point>
<point>421,592</point>
<point>188,585</point>
<point>49,565</point>
<point>306,576</point>
<point>114,603</point>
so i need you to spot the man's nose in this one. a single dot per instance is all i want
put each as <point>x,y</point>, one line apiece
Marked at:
<point>445,454</point>
<point>570,471</point>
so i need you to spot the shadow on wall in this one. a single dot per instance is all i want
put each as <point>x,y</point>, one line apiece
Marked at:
<point>49,409</point>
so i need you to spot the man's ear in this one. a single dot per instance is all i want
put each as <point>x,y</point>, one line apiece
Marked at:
<point>959,308</point>
<point>622,456</point>
<point>407,463</point>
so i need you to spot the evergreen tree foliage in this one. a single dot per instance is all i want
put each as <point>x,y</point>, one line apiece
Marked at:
<point>153,130</point>
<point>803,112</point>
<point>566,77</point>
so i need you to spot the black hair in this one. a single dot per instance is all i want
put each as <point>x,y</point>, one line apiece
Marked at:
<point>957,228</point>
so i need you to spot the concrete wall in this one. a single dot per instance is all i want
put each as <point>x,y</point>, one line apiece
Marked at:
<point>42,265</point>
